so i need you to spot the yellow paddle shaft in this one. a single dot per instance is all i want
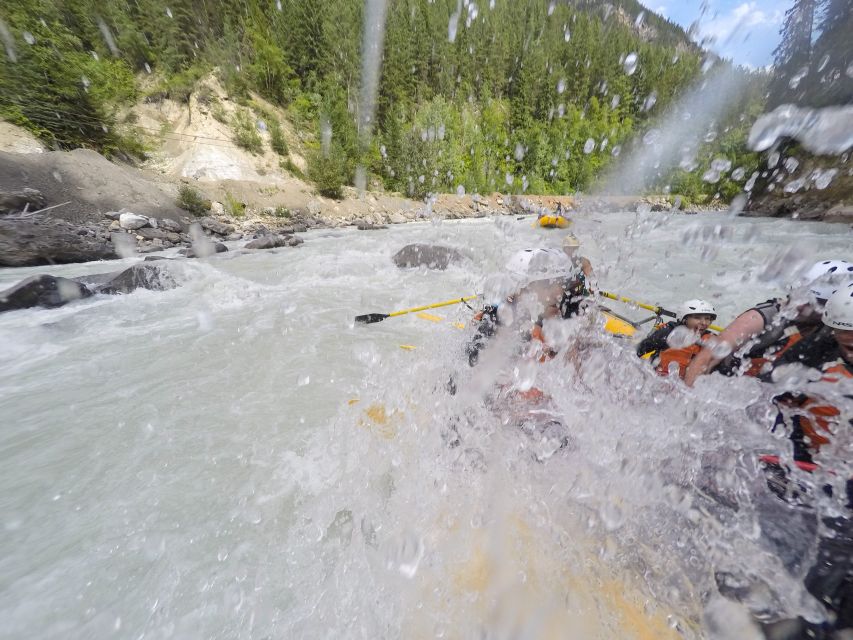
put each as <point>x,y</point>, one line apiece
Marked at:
<point>642,305</point>
<point>447,303</point>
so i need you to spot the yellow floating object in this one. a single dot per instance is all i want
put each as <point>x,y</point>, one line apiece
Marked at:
<point>408,347</point>
<point>352,401</point>
<point>554,222</point>
<point>459,325</point>
<point>428,316</point>
<point>380,421</point>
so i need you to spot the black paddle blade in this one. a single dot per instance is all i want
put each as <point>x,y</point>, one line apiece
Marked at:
<point>370,318</point>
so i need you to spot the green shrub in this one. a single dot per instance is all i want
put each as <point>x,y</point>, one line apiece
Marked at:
<point>287,165</point>
<point>218,112</point>
<point>328,172</point>
<point>277,141</point>
<point>245,132</point>
<point>233,206</point>
<point>191,200</point>
<point>282,212</point>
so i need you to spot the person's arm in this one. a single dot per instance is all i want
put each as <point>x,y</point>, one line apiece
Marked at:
<point>743,328</point>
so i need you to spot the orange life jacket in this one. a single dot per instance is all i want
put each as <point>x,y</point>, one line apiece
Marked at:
<point>820,418</point>
<point>681,357</point>
<point>544,351</point>
<point>756,365</point>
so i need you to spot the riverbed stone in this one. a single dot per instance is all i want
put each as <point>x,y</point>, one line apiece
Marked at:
<point>42,291</point>
<point>170,225</point>
<point>431,256</point>
<point>215,226</point>
<point>132,221</point>
<point>273,241</point>
<point>145,275</point>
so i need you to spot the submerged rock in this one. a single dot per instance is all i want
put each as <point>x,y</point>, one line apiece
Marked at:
<point>431,256</point>
<point>25,243</point>
<point>42,291</point>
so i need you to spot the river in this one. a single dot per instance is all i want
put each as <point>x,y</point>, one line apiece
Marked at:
<point>235,458</point>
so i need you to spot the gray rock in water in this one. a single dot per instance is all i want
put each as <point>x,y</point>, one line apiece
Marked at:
<point>170,225</point>
<point>42,291</point>
<point>145,275</point>
<point>432,256</point>
<point>273,241</point>
<point>26,243</point>
<point>219,228</point>
<point>369,226</point>
<point>18,201</point>
<point>218,247</point>
<point>132,221</point>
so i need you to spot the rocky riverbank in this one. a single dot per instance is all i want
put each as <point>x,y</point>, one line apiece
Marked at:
<point>60,207</point>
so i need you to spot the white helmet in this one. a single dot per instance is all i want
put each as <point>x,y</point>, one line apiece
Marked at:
<point>826,277</point>
<point>539,264</point>
<point>838,312</point>
<point>693,307</point>
<point>571,242</point>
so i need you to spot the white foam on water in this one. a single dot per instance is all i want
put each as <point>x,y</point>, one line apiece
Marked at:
<point>165,472</point>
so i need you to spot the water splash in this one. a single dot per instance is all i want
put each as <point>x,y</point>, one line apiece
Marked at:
<point>675,135</point>
<point>827,131</point>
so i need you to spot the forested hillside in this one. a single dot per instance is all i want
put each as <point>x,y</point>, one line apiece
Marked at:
<point>515,96</point>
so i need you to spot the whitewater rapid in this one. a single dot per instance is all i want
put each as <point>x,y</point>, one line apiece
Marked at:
<point>235,458</point>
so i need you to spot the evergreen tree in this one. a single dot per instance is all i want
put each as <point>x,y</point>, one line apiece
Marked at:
<point>793,56</point>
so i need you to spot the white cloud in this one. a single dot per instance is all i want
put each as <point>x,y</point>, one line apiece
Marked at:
<point>746,17</point>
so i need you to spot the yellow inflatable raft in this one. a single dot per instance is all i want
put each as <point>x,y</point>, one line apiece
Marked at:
<point>554,222</point>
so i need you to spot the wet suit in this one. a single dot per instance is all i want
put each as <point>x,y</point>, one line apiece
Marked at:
<point>656,342</point>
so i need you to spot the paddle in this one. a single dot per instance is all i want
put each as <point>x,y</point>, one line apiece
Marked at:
<point>660,311</point>
<point>370,318</point>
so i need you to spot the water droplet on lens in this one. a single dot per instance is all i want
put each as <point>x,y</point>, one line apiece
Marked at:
<point>630,63</point>
<point>681,337</point>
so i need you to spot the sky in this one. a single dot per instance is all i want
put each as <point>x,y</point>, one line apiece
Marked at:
<point>745,31</point>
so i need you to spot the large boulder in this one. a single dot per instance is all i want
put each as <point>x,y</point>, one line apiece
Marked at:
<point>25,243</point>
<point>273,241</point>
<point>18,201</point>
<point>217,227</point>
<point>431,256</point>
<point>42,291</point>
<point>132,221</point>
<point>145,275</point>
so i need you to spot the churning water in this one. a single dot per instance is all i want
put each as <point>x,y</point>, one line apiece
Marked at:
<point>234,458</point>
